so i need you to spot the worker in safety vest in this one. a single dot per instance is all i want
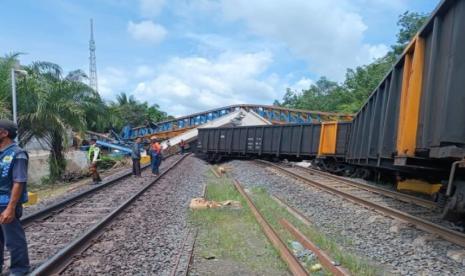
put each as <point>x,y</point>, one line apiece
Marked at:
<point>13,193</point>
<point>94,156</point>
<point>155,156</point>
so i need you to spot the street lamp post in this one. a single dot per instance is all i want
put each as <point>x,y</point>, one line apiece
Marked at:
<point>13,93</point>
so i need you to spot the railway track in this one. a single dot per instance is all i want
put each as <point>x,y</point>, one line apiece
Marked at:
<point>350,183</point>
<point>56,231</point>
<point>149,236</point>
<point>391,204</point>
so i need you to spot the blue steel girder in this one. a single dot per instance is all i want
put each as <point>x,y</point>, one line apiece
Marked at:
<point>271,113</point>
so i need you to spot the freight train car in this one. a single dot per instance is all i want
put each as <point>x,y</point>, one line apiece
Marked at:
<point>293,142</point>
<point>414,121</point>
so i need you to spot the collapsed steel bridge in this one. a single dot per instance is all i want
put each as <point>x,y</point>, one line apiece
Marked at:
<point>274,114</point>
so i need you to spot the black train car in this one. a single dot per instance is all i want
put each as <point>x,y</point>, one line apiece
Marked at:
<point>413,124</point>
<point>415,117</point>
<point>293,142</point>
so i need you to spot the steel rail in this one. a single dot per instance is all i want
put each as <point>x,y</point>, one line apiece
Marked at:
<point>294,265</point>
<point>47,211</point>
<point>378,190</point>
<point>324,258</point>
<point>62,258</point>
<point>191,254</point>
<point>191,233</point>
<point>443,232</point>
<point>179,255</point>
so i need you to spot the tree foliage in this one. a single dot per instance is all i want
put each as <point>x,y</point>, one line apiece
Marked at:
<point>359,83</point>
<point>409,23</point>
<point>127,110</point>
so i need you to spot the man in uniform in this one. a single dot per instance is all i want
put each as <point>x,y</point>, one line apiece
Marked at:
<point>135,156</point>
<point>94,156</point>
<point>13,193</point>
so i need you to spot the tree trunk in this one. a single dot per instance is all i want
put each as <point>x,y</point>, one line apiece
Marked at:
<point>57,158</point>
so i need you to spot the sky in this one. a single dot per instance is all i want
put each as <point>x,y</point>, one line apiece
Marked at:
<point>192,55</point>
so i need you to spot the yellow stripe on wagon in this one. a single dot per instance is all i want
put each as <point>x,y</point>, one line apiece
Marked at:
<point>410,97</point>
<point>328,138</point>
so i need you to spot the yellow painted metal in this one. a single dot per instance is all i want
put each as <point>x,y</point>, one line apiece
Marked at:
<point>410,97</point>
<point>328,137</point>
<point>32,199</point>
<point>145,159</point>
<point>418,186</point>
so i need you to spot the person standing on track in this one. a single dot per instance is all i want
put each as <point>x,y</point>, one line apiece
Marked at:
<point>135,156</point>
<point>13,193</point>
<point>182,145</point>
<point>155,156</point>
<point>94,156</point>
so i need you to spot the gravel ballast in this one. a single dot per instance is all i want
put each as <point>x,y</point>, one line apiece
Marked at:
<point>46,237</point>
<point>145,239</point>
<point>395,246</point>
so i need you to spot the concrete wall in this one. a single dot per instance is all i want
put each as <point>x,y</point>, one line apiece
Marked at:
<point>38,165</point>
<point>76,161</point>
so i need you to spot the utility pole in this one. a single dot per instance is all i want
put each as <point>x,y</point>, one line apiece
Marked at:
<point>92,61</point>
<point>16,69</point>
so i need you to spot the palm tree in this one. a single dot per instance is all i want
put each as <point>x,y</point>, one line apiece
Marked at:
<point>49,106</point>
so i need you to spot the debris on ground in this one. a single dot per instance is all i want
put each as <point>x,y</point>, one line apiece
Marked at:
<point>456,255</point>
<point>305,256</point>
<point>202,203</point>
<point>315,268</point>
<point>221,170</point>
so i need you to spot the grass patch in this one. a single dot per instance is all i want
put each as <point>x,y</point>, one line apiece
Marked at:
<point>51,189</point>
<point>272,211</point>
<point>233,235</point>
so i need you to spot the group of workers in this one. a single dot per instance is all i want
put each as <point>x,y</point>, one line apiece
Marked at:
<point>154,151</point>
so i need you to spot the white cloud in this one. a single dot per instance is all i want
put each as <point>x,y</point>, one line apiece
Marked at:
<point>144,71</point>
<point>329,35</point>
<point>192,84</point>
<point>147,31</point>
<point>151,8</point>
<point>376,51</point>
<point>111,81</point>
<point>302,84</point>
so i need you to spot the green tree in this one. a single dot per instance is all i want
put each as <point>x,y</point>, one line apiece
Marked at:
<point>324,95</point>
<point>50,106</point>
<point>409,24</point>
<point>128,110</point>
<point>361,81</point>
